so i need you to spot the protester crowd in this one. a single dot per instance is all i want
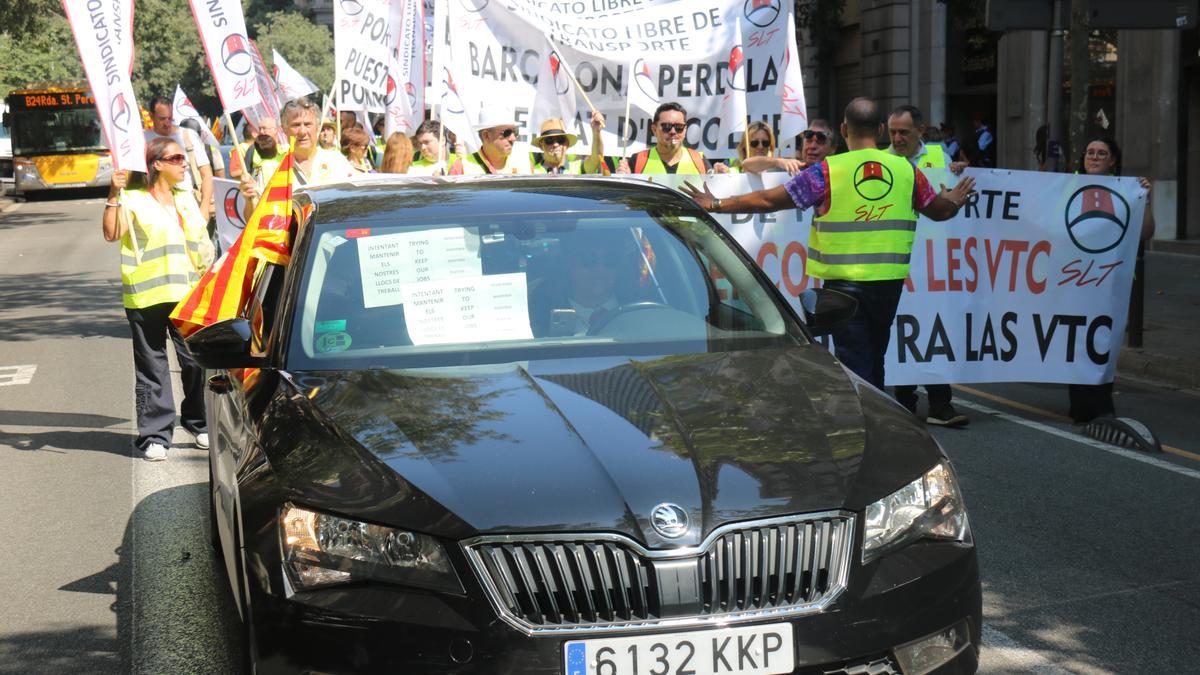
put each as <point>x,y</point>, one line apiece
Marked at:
<point>159,216</point>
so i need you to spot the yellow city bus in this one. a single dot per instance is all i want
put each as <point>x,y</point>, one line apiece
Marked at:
<point>57,141</point>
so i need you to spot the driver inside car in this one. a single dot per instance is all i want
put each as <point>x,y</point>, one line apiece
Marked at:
<point>586,297</point>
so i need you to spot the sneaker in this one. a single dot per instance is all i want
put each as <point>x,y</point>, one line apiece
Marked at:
<point>155,452</point>
<point>202,441</point>
<point>947,416</point>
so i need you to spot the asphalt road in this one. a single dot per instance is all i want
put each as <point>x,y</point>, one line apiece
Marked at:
<point>1088,553</point>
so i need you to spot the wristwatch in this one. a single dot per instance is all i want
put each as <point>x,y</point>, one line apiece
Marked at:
<point>715,206</point>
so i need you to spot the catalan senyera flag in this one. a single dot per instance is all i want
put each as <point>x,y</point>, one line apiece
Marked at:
<point>223,289</point>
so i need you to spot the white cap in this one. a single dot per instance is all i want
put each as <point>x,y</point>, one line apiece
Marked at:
<point>494,116</point>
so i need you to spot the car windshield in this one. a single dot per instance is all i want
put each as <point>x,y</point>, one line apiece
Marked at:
<point>60,130</point>
<point>528,287</point>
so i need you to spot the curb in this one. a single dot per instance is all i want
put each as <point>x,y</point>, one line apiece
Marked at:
<point>1183,246</point>
<point>1159,368</point>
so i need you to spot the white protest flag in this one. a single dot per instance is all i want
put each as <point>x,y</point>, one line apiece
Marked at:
<point>733,105</point>
<point>794,117</point>
<point>404,95</point>
<point>182,109</point>
<point>363,41</point>
<point>555,95</point>
<point>104,39</point>
<point>292,85</point>
<point>222,29</point>
<point>459,108</point>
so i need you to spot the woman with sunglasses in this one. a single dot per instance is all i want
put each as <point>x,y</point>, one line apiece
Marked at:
<point>818,142</point>
<point>1102,157</point>
<point>756,153</point>
<point>162,234</point>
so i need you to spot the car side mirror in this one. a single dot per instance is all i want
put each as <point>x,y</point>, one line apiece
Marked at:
<point>225,344</point>
<point>825,310</point>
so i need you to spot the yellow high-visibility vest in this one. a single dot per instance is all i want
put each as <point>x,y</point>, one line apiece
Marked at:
<point>691,164</point>
<point>867,234</point>
<point>163,267</point>
<point>934,157</point>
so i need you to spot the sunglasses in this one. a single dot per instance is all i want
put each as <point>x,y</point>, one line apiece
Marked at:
<point>667,127</point>
<point>507,133</point>
<point>177,160</point>
<point>760,144</point>
<point>821,136</point>
<point>554,140</point>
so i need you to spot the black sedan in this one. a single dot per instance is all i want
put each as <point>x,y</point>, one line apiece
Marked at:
<point>530,425</point>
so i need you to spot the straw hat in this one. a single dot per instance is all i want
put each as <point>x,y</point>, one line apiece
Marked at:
<point>554,127</point>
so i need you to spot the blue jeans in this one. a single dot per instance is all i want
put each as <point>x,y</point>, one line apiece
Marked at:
<point>861,344</point>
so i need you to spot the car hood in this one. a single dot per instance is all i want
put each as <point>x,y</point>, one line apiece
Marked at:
<point>596,444</point>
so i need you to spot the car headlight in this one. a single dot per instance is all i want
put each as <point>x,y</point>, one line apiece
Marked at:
<point>321,549</point>
<point>929,507</point>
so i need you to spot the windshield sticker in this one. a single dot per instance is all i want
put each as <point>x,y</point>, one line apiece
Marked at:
<point>476,309</point>
<point>328,343</point>
<point>390,262</point>
<point>331,326</point>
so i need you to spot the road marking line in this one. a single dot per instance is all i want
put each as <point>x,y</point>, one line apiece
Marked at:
<point>1053,415</point>
<point>1014,656</point>
<point>10,375</point>
<point>1084,440</point>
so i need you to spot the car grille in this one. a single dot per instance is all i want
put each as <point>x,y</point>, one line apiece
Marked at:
<point>546,583</point>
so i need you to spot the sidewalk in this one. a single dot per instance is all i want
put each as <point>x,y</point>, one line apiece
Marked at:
<point>1170,352</point>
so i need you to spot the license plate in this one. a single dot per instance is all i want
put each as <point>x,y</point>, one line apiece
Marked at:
<point>754,650</point>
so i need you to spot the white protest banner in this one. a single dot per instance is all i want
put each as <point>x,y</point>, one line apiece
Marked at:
<point>678,51</point>
<point>230,204</point>
<point>104,38</point>
<point>292,85</point>
<point>1029,282</point>
<point>363,40</point>
<point>182,109</point>
<point>733,105</point>
<point>227,47</point>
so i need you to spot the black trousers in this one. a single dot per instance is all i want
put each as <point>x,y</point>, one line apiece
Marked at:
<point>939,395</point>
<point>862,343</point>
<point>1089,401</point>
<point>154,403</point>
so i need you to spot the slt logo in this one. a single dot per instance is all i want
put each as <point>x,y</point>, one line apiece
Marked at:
<point>761,13</point>
<point>872,181</point>
<point>644,80</point>
<point>473,5</point>
<point>389,95</point>
<point>451,101</point>
<point>119,112</point>
<point>350,7</point>
<point>737,70</point>
<point>562,84</point>
<point>186,109</point>
<point>234,54</point>
<point>1097,218</point>
<point>411,91</point>
<point>232,202</point>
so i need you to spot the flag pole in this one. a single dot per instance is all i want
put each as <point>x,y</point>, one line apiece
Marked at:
<point>624,141</point>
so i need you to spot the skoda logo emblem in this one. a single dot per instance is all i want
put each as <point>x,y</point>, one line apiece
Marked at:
<point>669,520</point>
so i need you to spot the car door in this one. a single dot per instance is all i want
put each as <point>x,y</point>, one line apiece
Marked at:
<point>230,427</point>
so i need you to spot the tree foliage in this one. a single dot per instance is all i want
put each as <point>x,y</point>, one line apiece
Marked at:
<point>36,45</point>
<point>307,47</point>
<point>43,55</point>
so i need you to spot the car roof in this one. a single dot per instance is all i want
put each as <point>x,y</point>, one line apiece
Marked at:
<point>391,196</point>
